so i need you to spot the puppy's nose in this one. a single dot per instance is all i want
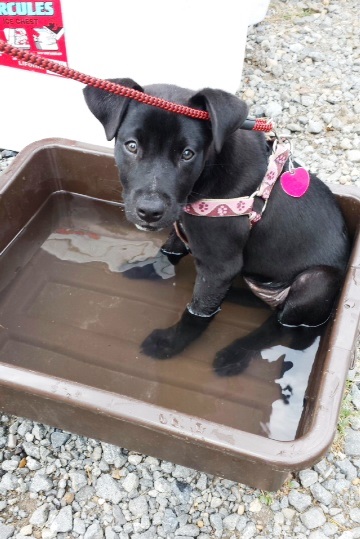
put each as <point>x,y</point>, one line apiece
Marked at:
<point>150,210</point>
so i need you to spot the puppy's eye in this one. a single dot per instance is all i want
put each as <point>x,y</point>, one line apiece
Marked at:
<point>131,146</point>
<point>187,154</point>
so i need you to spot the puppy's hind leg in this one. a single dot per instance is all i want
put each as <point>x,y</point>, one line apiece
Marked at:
<point>311,297</point>
<point>235,358</point>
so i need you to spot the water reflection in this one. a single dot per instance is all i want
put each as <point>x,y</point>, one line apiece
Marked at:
<point>287,410</point>
<point>291,353</point>
<point>137,259</point>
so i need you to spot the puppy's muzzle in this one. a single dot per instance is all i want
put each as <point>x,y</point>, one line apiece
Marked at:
<point>150,209</point>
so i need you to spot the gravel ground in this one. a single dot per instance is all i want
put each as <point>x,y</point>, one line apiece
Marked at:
<point>302,68</point>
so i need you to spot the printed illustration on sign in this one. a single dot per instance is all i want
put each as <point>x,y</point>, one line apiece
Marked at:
<point>17,37</point>
<point>36,27</point>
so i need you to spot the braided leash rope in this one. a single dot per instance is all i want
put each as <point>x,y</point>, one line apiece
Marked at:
<point>259,124</point>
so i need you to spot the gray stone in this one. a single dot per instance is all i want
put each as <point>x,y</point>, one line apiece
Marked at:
<point>307,101</point>
<point>323,468</point>
<point>149,534</point>
<point>230,522</point>
<point>79,526</point>
<point>131,482</point>
<point>135,459</point>
<point>333,511</point>
<point>288,513</point>
<point>313,518</point>
<point>202,482</point>
<point>9,482</point>
<point>40,515</point>
<point>189,530</point>
<point>321,494</point>
<point>341,486</point>
<point>249,531</point>
<point>355,514</point>
<point>181,472</point>
<point>300,501</point>
<point>183,493</point>
<point>119,519</point>
<point>329,529</point>
<point>138,506</point>
<point>353,156</point>
<point>317,534</point>
<point>94,531</point>
<point>32,464</point>
<point>48,534</point>
<point>63,522</point>
<point>215,502</point>
<point>6,531</point>
<point>315,127</point>
<point>97,453</point>
<point>273,109</point>
<point>107,488</point>
<point>24,427</point>
<point>5,154</point>
<point>78,480</point>
<point>347,468</point>
<point>10,465</point>
<point>40,482</point>
<point>277,70</point>
<point>317,56</point>
<point>110,534</point>
<point>355,394</point>
<point>294,126</point>
<point>39,431</point>
<point>59,438</point>
<point>240,526</point>
<point>32,450</point>
<point>217,523</point>
<point>345,144</point>
<point>85,494</point>
<point>162,485</point>
<point>112,454</point>
<point>169,522</point>
<point>296,47</point>
<point>308,477</point>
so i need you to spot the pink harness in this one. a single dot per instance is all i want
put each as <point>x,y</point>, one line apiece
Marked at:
<point>233,207</point>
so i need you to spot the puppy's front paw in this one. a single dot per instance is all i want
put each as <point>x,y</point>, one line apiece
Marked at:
<point>160,344</point>
<point>166,343</point>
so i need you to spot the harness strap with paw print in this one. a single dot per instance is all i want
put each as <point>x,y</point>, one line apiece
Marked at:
<point>233,207</point>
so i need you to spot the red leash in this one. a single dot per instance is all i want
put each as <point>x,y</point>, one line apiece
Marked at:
<point>258,124</point>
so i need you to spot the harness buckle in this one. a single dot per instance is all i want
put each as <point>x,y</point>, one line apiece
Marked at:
<point>255,193</point>
<point>264,206</point>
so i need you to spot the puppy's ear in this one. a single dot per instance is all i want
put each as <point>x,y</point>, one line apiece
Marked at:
<point>227,112</point>
<point>108,108</point>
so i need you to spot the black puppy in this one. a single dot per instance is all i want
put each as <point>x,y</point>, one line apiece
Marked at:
<point>297,253</point>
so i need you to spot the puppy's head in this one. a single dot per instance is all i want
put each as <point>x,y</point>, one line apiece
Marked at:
<point>160,154</point>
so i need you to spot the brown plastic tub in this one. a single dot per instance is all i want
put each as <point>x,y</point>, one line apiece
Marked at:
<point>80,289</point>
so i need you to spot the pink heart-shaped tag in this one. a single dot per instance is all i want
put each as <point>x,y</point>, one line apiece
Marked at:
<point>295,183</point>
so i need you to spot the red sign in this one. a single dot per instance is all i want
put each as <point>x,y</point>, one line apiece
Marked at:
<point>36,27</point>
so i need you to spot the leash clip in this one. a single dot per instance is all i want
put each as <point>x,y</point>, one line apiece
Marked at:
<point>291,164</point>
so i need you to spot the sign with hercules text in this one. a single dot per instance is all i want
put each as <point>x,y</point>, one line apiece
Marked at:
<point>35,27</point>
